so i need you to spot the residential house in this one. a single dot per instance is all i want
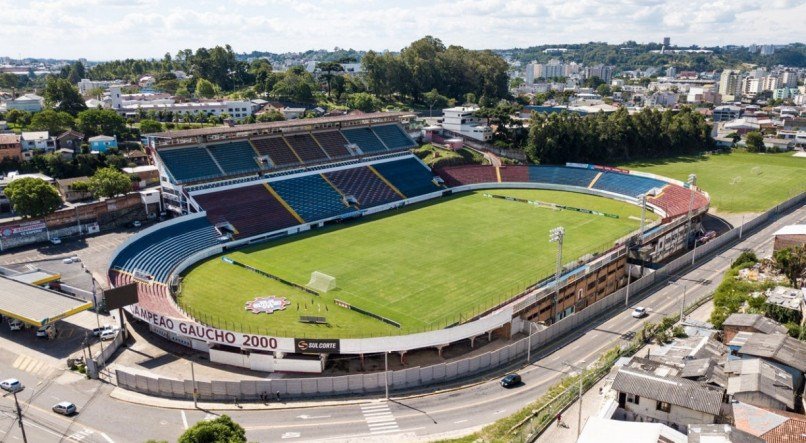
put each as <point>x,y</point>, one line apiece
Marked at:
<point>71,193</point>
<point>771,426</point>
<point>789,236</point>
<point>761,384</point>
<point>629,432</point>
<point>70,140</point>
<point>26,102</point>
<point>137,157</point>
<point>727,113</point>
<point>720,434</point>
<point>787,298</point>
<point>292,113</point>
<point>10,146</point>
<point>148,175</point>
<point>749,323</point>
<point>675,402</point>
<point>101,143</point>
<point>36,141</point>
<point>781,350</point>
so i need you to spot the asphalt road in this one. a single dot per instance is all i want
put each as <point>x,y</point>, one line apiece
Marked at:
<point>103,419</point>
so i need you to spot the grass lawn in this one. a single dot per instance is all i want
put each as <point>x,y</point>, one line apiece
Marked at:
<point>422,266</point>
<point>737,182</point>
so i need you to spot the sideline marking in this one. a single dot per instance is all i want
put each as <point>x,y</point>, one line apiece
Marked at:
<point>184,419</point>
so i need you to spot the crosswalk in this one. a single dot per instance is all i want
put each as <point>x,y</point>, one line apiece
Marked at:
<point>379,418</point>
<point>32,366</point>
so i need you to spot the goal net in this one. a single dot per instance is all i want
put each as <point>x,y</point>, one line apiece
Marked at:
<point>321,282</point>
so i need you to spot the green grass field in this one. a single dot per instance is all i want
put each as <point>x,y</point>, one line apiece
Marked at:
<point>423,266</point>
<point>737,182</point>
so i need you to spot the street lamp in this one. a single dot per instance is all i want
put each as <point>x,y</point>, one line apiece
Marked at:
<point>581,372</point>
<point>683,301</point>
<point>691,182</point>
<point>529,343</point>
<point>556,236</point>
<point>386,372</point>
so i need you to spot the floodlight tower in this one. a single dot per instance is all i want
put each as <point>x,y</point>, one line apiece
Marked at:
<point>556,235</point>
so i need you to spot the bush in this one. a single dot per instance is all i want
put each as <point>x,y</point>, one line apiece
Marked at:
<point>747,256</point>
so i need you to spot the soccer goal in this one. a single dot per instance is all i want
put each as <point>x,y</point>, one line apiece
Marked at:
<point>321,282</point>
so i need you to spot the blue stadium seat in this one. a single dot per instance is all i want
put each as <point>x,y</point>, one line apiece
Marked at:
<point>626,184</point>
<point>365,139</point>
<point>159,252</point>
<point>188,164</point>
<point>409,176</point>
<point>364,185</point>
<point>235,158</point>
<point>311,197</point>
<point>393,137</point>
<point>561,175</point>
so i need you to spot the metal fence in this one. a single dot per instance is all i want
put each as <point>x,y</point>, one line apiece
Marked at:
<point>418,377</point>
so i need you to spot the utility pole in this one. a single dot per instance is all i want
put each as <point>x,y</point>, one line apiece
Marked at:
<point>581,375</point>
<point>529,345</point>
<point>556,236</point>
<point>195,389</point>
<point>629,275</point>
<point>386,372</point>
<point>19,418</point>
<point>683,303</point>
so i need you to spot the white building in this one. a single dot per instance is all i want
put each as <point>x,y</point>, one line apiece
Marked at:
<point>730,85</point>
<point>462,120</point>
<point>235,109</point>
<point>26,102</point>
<point>85,85</point>
<point>770,83</point>
<point>789,79</point>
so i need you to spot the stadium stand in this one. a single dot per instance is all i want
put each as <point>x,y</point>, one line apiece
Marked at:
<point>674,200</point>
<point>155,297</point>
<point>514,173</point>
<point>467,174</point>
<point>333,143</point>
<point>159,252</point>
<point>189,164</point>
<point>311,197</point>
<point>252,210</point>
<point>277,150</point>
<point>626,184</point>
<point>561,175</point>
<point>364,185</point>
<point>409,176</point>
<point>235,158</point>
<point>393,137</point>
<point>365,139</point>
<point>306,148</point>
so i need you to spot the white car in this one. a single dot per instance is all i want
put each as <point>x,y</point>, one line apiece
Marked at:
<point>14,324</point>
<point>11,385</point>
<point>56,240</point>
<point>639,312</point>
<point>64,408</point>
<point>109,334</point>
<point>46,331</point>
<point>98,331</point>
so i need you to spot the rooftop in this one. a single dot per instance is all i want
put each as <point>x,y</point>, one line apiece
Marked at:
<point>675,391</point>
<point>785,297</point>
<point>772,426</point>
<point>756,321</point>
<point>7,139</point>
<point>36,306</point>
<point>792,230</point>
<point>629,432</point>
<point>719,434</point>
<point>756,375</point>
<point>777,347</point>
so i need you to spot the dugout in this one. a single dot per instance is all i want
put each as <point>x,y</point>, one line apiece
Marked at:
<point>37,306</point>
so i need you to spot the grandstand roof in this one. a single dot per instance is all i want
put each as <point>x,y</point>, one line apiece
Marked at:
<point>260,127</point>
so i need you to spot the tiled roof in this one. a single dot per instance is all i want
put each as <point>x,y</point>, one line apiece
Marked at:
<point>672,390</point>
<point>756,375</point>
<point>777,347</point>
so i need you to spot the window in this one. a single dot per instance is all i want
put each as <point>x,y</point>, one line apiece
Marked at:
<point>663,406</point>
<point>632,398</point>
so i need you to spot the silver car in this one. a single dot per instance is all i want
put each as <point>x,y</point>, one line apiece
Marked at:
<point>64,408</point>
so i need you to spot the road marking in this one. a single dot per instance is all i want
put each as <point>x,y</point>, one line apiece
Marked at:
<point>460,421</point>
<point>184,419</point>
<point>290,435</point>
<point>312,417</point>
<point>106,437</point>
<point>379,418</point>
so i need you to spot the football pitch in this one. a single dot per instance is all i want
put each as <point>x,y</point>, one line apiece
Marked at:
<point>426,266</point>
<point>737,182</point>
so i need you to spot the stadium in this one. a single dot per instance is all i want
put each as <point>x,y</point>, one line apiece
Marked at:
<point>302,239</point>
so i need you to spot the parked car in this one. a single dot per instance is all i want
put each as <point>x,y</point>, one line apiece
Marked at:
<point>14,324</point>
<point>98,331</point>
<point>708,236</point>
<point>56,240</point>
<point>64,408</point>
<point>11,385</point>
<point>46,331</point>
<point>639,312</point>
<point>136,224</point>
<point>511,380</point>
<point>108,334</point>
<point>67,260</point>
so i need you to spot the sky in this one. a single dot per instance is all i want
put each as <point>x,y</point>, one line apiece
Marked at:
<point>113,29</point>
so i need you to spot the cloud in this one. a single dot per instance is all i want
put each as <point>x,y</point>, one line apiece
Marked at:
<point>109,29</point>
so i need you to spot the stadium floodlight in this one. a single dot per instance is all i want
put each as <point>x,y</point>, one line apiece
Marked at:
<point>556,235</point>
<point>692,183</point>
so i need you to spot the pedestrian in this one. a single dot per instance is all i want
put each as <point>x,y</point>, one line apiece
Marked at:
<point>559,419</point>
<point>277,395</point>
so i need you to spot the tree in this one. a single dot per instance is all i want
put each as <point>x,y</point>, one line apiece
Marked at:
<point>148,126</point>
<point>327,71</point>
<point>204,88</point>
<point>61,95</point>
<point>792,263</point>
<point>754,142</point>
<point>17,117</point>
<point>32,197</point>
<point>364,101</point>
<point>52,121</point>
<point>603,90</point>
<point>94,122</point>
<point>218,430</point>
<point>109,182</point>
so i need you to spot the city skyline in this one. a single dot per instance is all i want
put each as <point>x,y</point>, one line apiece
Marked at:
<point>105,30</point>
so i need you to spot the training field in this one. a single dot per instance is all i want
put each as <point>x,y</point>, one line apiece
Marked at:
<point>422,267</point>
<point>737,182</point>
